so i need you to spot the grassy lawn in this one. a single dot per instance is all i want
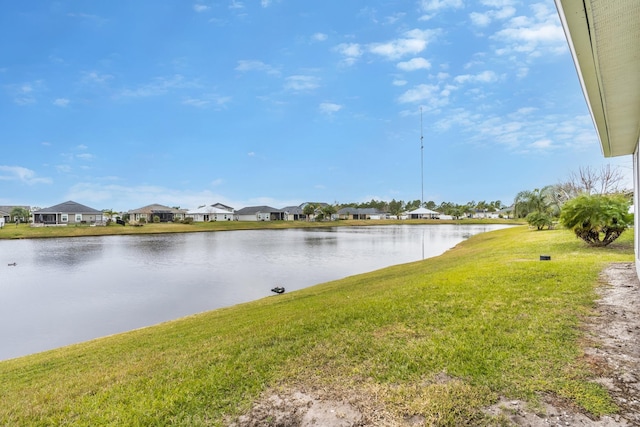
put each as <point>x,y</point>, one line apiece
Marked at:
<point>487,315</point>
<point>24,231</point>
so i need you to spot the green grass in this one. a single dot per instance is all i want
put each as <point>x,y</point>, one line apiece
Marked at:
<point>487,316</point>
<point>24,231</point>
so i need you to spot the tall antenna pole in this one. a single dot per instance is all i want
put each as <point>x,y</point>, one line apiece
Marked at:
<point>421,161</point>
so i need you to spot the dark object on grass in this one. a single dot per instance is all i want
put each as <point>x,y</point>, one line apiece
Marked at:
<point>278,290</point>
<point>545,257</point>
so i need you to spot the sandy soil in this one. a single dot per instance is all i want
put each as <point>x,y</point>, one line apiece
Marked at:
<point>612,347</point>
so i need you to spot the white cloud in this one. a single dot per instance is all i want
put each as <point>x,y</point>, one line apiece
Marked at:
<point>541,144</point>
<point>265,3</point>
<point>486,18</point>
<point>414,64</point>
<point>18,173</point>
<point>419,93</point>
<point>436,5</point>
<point>206,101</point>
<point>96,78</point>
<point>329,108</point>
<point>159,86</point>
<point>351,52</point>
<point>392,19</point>
<point>399,82</point>
<point>245,65</point>
<point>483,77</point>
<point>319,37</point>
<point>196,102</point>
<point>432,7</point>
<point>301,83</point>
<point>200,7</point>
<point>26,93</point>
<point>532,35</point>
<point>235,4</point>
<point>480,19</point>
<point>411,43</point>
<point>61,102</point>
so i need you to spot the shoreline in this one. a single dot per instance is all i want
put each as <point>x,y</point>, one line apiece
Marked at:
<point>25,231</point>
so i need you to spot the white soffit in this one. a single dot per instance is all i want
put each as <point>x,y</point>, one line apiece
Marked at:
<point>604,37</point>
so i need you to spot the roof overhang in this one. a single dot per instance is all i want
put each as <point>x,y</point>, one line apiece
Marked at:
<point>604,38</point>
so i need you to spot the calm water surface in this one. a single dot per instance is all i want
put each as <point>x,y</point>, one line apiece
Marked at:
<point>64,291</point>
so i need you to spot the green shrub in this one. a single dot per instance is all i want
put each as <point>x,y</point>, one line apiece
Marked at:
<point>156,219</point>
<point>539,220</point>
<point>597,219</point>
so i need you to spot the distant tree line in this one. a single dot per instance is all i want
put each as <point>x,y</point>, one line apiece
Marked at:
<point>397,207</point>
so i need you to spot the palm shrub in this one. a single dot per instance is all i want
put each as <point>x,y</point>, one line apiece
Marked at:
<point>598,219</point>
<point>539,220</point>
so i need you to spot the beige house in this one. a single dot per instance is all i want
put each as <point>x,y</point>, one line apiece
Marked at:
<point>164,213</point>
<point>603,36</point>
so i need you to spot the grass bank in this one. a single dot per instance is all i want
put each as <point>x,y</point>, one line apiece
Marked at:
<point>487,316</point>
<point>24,231</point>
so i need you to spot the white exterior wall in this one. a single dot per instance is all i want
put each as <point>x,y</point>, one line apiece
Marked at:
<point>636,197</point>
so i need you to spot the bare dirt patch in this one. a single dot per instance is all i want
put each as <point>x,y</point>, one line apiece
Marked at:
<point>613,350</point>
<point>300,409</point>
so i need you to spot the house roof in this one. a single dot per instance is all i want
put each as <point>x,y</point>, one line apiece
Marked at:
<point>209,209</point>
<point>603,37</point>
<point>223,207</point>
<point>251,210</point>
<point>69,207</point>
<point>156,208</point>
<point>293,210</point>
<point>423,211</point>
<point>359,211</point>
<point>7,209</point>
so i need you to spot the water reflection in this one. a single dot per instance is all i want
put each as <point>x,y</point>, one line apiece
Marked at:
<point>66,253</point>
<point>69,290</point>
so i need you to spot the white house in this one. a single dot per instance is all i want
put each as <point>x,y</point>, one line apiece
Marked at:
<point>423,213</point>
<point>215,212</point>
<point>603,37</point>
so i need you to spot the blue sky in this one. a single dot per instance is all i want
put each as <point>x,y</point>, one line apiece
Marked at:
<point>121,104</point>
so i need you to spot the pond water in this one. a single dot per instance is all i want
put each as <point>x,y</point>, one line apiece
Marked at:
<point>63,291</point>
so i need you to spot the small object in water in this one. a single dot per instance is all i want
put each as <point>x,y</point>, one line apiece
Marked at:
<point>12,264</point>
<point>278,290</point>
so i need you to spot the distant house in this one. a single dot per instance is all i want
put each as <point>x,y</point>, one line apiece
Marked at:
<point>259,213</point>
<point>215,212</point>
<point>5,213</point>
<point>164,213</point>
<point>360,213</point>
<point>483,213</point>
<point>293,213</point>
<point>423,213</point>
<point>68,213</point>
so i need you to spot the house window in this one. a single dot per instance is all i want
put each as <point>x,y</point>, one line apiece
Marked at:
<point>78,217</point>
<point>64,217</point>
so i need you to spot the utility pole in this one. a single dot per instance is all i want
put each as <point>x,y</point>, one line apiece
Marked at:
<point>421,161</point>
